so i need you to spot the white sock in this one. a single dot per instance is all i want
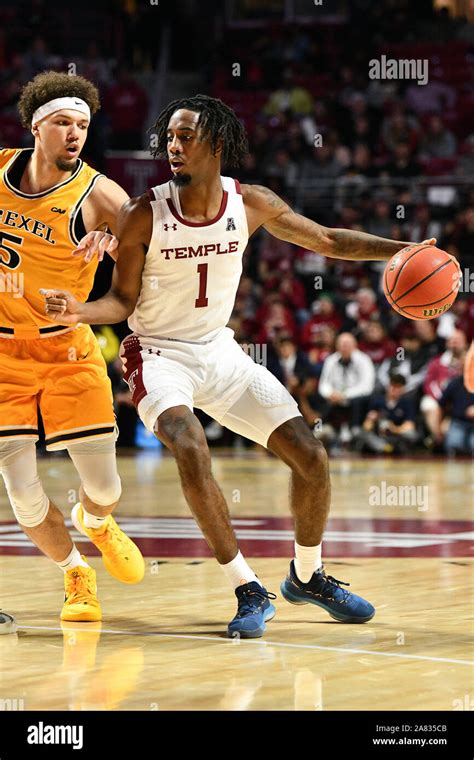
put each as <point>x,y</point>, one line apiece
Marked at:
<point>92,521</point>
<point>307,560</point>
<point>238,572</point>
<point>73,559</point>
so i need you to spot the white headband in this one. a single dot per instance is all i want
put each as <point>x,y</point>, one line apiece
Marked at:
<point>76,104</point>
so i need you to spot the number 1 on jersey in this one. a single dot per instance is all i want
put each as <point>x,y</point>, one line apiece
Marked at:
<point>202,300</point>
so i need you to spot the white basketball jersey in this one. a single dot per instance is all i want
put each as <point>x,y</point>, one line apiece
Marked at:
<point>192,270</point>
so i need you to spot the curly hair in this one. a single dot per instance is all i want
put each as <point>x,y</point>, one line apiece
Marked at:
<point>218,123</point>
<point>55,84</point>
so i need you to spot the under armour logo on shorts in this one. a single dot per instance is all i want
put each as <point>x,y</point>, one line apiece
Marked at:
<point>230,224</point>
<point>173,227</point>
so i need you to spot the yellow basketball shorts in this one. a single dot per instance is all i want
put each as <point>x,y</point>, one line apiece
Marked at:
<point>66,377</point>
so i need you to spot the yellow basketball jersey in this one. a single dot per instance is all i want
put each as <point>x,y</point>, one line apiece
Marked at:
<point>37,236</point>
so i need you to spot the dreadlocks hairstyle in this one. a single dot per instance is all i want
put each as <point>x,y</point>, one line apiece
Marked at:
<point>54,84</point>
<point>217,121</point>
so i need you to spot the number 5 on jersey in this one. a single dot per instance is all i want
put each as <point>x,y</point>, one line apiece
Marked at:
<point>13,258</point>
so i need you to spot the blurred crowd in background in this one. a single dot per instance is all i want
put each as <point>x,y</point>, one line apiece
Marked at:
<point>388,156</point>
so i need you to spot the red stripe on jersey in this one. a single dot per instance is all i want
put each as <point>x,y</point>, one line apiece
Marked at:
<point>181,219</point>
<point>133,368</point>
<point>237,187</point>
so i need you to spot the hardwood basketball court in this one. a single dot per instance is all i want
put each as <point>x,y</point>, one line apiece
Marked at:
<point>162,644</point>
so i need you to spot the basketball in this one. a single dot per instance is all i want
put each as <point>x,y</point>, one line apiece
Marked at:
<point>421,281</point>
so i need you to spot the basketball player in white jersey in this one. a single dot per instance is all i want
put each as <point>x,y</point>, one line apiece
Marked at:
<point>176,277</point>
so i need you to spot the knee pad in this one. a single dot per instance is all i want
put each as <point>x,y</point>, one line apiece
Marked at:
<point>27,497</point>
<point>95,462</point>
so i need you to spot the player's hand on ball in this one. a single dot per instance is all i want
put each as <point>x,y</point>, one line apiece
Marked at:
<point>61,306</point>
<point>96,242</point>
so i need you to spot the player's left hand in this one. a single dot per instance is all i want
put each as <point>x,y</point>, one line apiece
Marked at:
<point>431,241</point>
<point>96,242</point>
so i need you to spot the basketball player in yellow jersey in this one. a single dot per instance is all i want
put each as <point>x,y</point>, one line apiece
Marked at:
<point>49,200</point>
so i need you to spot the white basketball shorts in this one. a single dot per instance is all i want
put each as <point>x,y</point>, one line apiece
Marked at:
<point>217,377</point>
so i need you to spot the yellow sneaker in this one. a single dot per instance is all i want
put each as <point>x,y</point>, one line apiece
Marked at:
<point>122,558</point>
<point>81,604</point>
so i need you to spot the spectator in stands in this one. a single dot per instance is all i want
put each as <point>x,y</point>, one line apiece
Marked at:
<point>463,236</point>
<point>410,363</point>
<point>294,371</point>
<point>460,435</point>
<point>433,97</point>
<point>324,315</point>
<point>320,165</point>
<point>423,226</point>
<point>465,164</point>
<point>293,295</point>
<point>362,162</point>
<point>440,371</point>
<point>126,103</point>
<point>39,58</point>
<point>389,426</point>
<point>274,254</point>
<point>324,343</point>
<point>403,164</point>
<point>278,321</point>
<point>399,127</point>
<point>348,276</point>
<point>431,344</point>
<point>362,310</point>
<point>12,80</point>
<point>437,141</point>
<point>283,167</point>
<point>346,382</point>
<point>376,344</point>
<point>95,67</point>
<point>381,221</point>
<point>289,97</point>
<point>311,268</point>
<point>459,317</point>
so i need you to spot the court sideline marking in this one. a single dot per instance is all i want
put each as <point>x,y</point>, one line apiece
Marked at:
<point>255,643</point>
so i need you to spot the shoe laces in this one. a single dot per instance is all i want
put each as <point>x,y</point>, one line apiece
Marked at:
<point>80,586</point>
<point>111,534</point>
<point>330,584</point>
<point>250,599</point>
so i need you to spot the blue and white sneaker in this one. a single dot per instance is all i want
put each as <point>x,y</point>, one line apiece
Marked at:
<point>253,611</point>
<point>326,592</point>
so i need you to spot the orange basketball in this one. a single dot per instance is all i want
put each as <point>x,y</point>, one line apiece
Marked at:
<point>421,281</point>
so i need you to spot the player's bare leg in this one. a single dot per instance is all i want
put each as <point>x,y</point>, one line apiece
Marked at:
<point>51,536</point>
<point>180,430</point>
<point>310,498</point>
<point>99,494</point>
<point>97,510</point>
<point>310,492</point>
<point>43,523</point>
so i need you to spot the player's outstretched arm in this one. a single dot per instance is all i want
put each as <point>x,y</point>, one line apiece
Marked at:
<point>134,230</point>
<point>265,208</point>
